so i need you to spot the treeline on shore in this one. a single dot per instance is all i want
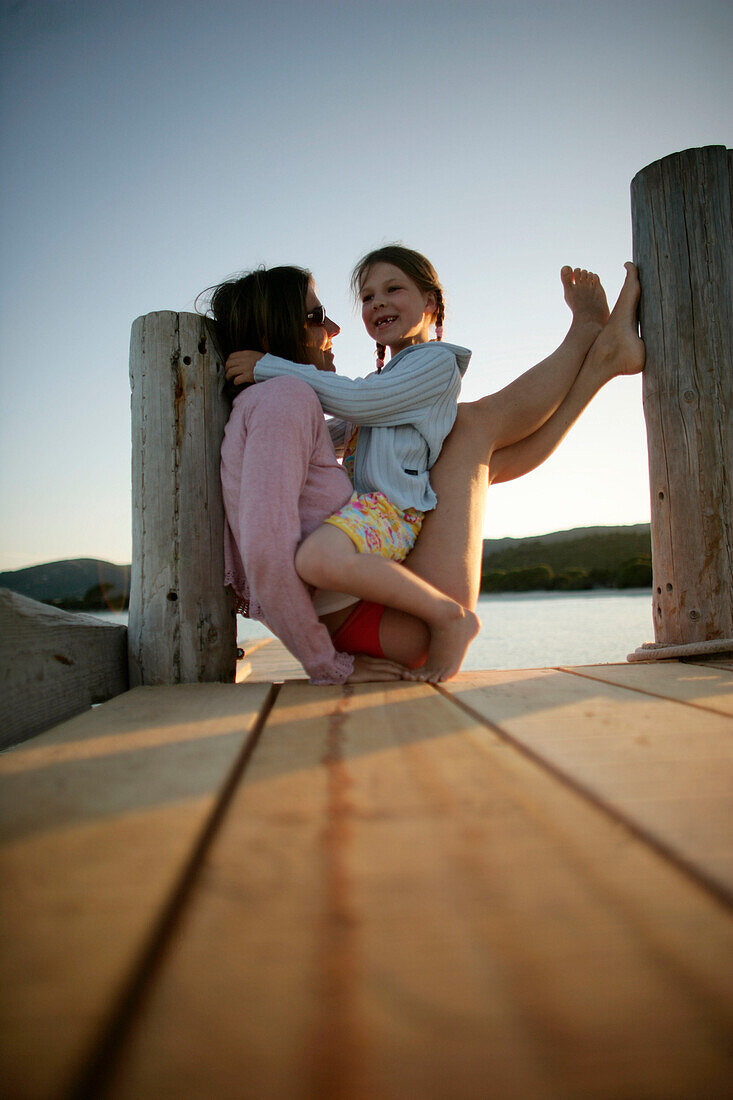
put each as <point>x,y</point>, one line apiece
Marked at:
<point>634,573</point>
<point>569,561</point>
<point>100,597</point>
<point>566,561</point>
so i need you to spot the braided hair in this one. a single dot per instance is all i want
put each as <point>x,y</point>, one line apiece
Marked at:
<point>439,314</point>
<point>417,268</point>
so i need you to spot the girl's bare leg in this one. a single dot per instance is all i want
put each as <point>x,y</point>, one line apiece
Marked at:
<point>328,559</point>
<point>525,404</point>
<point>618,350</point>
<point>448,549</point>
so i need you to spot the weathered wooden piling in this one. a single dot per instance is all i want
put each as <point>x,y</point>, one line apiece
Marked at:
<point>182,623</point>
<point>683,247</point>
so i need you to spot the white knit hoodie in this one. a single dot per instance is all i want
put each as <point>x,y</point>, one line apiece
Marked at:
<point>404,414</point>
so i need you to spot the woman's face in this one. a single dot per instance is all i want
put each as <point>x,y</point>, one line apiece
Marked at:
<point>319,336</point>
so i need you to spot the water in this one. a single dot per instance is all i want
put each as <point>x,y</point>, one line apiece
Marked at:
<point>542,629</point>
<point>539,629</point>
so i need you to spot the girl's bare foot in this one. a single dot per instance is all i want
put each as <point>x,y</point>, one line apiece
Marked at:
<point>619,349</point>
<point>448,645</point>
<point>585,296</point>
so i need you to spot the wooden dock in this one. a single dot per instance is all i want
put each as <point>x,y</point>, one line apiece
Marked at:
<point>518,885</point>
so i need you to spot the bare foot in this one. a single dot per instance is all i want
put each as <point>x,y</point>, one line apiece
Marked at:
<point>585,296</point>
<point>448,645</point>
<point>619,349</point>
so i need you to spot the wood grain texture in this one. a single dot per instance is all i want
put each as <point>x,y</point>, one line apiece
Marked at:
<point>399,904</point>
<point>98,820</point>
<point>182,621</point>
<point>683,246</point>
<point>53,665</point>
<point>707,686</point>
<point>714,664</point>
<point>665,767</point>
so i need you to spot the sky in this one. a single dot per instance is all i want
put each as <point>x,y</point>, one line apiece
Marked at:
<point>151,149</point>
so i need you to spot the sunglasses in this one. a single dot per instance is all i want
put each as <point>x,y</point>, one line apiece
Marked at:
<point>316,316</point>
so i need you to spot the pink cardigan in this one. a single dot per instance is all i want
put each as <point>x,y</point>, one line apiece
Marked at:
<point>280,479</point>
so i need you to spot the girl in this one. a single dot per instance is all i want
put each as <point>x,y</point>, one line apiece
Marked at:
<point>402,416</point>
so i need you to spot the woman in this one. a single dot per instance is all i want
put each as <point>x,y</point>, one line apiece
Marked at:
<point>281,479</point>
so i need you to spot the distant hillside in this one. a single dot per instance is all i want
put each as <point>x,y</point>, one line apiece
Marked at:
<point>79,584</point>
<point>586,557</point>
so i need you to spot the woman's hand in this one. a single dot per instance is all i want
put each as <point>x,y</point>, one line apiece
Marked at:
<point>370,669</point>
<point>240,366</point>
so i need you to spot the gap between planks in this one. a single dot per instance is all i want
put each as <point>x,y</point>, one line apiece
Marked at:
<point>98,821</point>
<point>624,676</point>
<point>664,836</point>
<point>112,1033</point>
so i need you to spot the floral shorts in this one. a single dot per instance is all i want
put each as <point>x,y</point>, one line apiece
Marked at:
<point>377,526</point>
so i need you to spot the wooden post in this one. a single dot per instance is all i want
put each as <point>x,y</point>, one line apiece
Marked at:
<point>182,626</point>
<point>683,247</point>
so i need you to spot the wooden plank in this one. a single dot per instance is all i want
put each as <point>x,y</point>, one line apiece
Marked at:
<point>664,766</point>
<point>714,664</point>
<point>98,819</point>
<point>399,904</point>
<point>54,665</point>
<point>705,686</point>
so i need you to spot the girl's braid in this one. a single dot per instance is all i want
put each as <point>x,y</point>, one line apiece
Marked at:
<point>381,352</point>
<point>439,314</point>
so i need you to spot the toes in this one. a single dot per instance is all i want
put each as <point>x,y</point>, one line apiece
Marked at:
<point>566,276</point>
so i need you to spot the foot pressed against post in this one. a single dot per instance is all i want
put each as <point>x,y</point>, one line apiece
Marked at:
<point>618,348</point>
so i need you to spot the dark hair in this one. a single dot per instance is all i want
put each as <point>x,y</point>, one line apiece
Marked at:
<point>264,310</point>
<point>416,266</point>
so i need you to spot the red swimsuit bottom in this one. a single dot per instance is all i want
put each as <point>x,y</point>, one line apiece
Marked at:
<point>359,633</point>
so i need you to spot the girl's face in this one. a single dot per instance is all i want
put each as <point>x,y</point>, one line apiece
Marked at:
<point>320,333</point>
<point>394,309</point>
